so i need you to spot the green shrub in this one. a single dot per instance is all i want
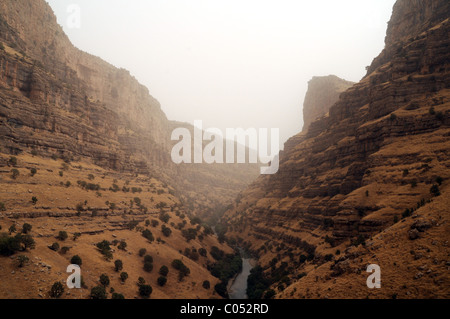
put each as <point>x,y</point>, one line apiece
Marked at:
<point>105,249</point>
<point>142,252</point>
<point>141,281</point>
<point>145,291</point>
<point>116,296</point>
<point>148,235</point>
<point>54,247</point>
<point>104,280</point>
<point>34,200</point>
<point>33,171</point>
<point>57,290</point>
<point>162,281</point>
<point>122,245</point>
<point>206,284</point>
<point>62,235</point>
<point>64,250</point>
<point>166,230</point>
<point>118,265</point>
<point>26,228</point>
<point>98,292</point>
<point>123,276</point>
<point>2,207</point>
<point>76,260</point>
<point>148,266</point>
<point>203,252</point>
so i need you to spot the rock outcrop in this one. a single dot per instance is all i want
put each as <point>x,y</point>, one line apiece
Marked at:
<point>356,170</point>
<point>323,92</point>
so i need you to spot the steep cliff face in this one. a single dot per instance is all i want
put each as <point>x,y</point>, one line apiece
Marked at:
<point>354,172</point>
<point>57,100</point>
<point>323,92</point>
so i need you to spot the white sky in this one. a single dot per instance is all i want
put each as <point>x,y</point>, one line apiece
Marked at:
<point>232,63</point>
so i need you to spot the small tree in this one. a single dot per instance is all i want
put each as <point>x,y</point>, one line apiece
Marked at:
<point>34,200</point>
<point>116,295</point>
<point>33,171</point>
<point>162,281</point>
<point>122,245</point>
<point>123,276</point>
<point>57,290</point>
<point>148,266</point>
<point>76,260</point>
<point>54,247</point>
<point>164,271</point>
<point>148,258</point>
<point>206,284</point>
<point>118,265</point>
<point>142,252</point>
<point>145,291</point>
<point>26,228</point>
<point>141,281</point>
<point>62,235</point>
<point>104,280</point>
<point>98,293</point>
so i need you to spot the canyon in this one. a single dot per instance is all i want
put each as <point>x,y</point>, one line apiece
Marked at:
<point>86,150</point>
<point>365,171</point>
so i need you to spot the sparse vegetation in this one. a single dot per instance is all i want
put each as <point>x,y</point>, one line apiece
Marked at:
<point>145,291</point>
<point>148,235</point>
<point>98,292</point>
<point>33,171</point>
<point>34,200</point>
<point>148,266</point>
<point>162,281</point>
<point>105,249</point>
<point>122,245</point>
<point>62,235</point>
<point>142,252</point>
<point>166,230</point>
<point>54,247</point>
<point>164,271</point>
<point>56,290</point>
<point>26,228</point>
<point>123,276</point>
<point>118,265</point>
<point>76,260</point>
<point>2,207</point>
<point>104,280</point>
<point>206,284</point>
<point>117,296</point>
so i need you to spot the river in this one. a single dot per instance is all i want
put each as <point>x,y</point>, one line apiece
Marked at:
<point>238,289</point>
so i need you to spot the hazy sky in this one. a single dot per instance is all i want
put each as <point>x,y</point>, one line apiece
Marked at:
<point>232,63</point>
